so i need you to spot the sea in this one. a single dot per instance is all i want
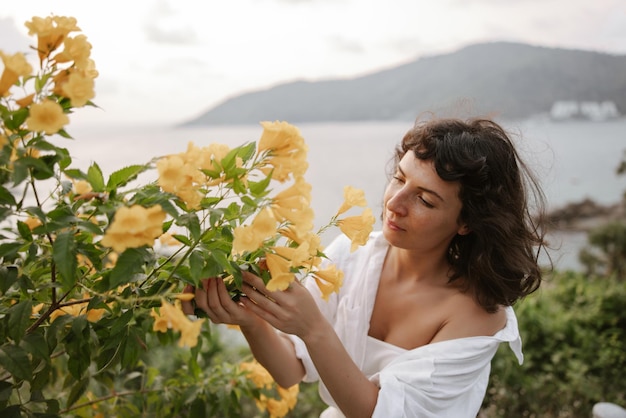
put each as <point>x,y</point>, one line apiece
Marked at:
<point>574,160</point>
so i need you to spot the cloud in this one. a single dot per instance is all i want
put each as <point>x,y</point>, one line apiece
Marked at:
<point>343,44</point>
<point>166,25</point>
<point>11,39</point>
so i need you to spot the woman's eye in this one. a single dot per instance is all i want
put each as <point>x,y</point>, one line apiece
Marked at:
<point>425,202</point>
<point>398,179</point>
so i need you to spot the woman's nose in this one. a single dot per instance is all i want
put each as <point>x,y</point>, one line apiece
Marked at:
<point>396,203</point>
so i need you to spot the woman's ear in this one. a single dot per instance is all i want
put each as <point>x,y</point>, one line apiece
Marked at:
<point>463,230</point>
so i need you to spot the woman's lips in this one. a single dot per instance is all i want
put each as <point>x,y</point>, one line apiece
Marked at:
<point>393,226</point>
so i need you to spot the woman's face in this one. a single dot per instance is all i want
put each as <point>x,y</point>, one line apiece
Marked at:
<point>421,210</point>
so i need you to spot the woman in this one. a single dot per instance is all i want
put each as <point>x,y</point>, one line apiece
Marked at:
<point>426,302</point>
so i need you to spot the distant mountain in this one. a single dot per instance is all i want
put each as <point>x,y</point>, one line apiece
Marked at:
<point>510,80</point>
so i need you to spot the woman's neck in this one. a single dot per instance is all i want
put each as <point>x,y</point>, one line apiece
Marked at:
<point>405,265</point>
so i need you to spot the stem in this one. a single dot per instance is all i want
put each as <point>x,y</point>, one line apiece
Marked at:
<point>106,398</point>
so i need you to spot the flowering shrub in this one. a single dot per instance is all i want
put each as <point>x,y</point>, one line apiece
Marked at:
<point>93,269</point>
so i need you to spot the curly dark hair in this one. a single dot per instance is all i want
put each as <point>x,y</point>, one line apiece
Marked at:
<point>498,259</point>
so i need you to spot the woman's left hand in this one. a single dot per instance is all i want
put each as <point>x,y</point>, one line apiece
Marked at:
<point>292,310</point>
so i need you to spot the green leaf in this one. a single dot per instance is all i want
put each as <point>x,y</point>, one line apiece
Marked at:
<point>95,177</point>
<point>15,360</point>
<point>129,263</point>
<point>247,151</point>
<point>196,266</point>
<point>19,319</point>
<point>192,223</point>
<point>124,176</point>
<point>76,174</point>
<point>6,197</point>
<point>5,391</point>
<point>77,391</point>
<point>132,347</point>
<point>9,249</point>
<point>259,188</point>
<point>24,231</point>
<point>8,276</point>
<point>64,255</point>
<point>36,345</point>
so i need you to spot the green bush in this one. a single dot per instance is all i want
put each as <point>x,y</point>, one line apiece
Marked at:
<point>574,338</point>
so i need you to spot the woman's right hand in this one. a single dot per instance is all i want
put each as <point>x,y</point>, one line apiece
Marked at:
<point>213,298</point>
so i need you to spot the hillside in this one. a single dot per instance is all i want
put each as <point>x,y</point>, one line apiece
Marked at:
<point>511,80</point>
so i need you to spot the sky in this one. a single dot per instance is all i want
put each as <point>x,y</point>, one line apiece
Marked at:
<point>168,61</point>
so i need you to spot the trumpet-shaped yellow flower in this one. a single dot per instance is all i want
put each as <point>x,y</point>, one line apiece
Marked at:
<point>47,117</point>
<point>328,280</point>
<point>36,309</point>
<point>280,138</point>
<point>172,317</point>
<point>295,197</point>
<point>357,228</point>
<point>297,256</point>
<point>77,309</point>
<point>75,49</point>
<point>81,187</point>
<point>25,101</point>
<point>50,31</point>
<point>134,227</point>
<point>286,148</point>
<point>277,407</point>
<point>280,271</point>
<point>32,222</point>
<point>179,176</point>
<point>261,378</point>
<point>79,89</point>
<point>15,66</point>
<point>251,237</point>
<point>352,197</point>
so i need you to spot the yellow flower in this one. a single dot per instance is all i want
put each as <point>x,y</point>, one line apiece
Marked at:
<point>134,227</point>
<point>300,220</point>
<point>287,150</point>
<point>328,280</point>
<point>357,228</point>
<point>297,256</point>
<point>111,260</point>
<point>36,309</point>
<point>79,89</point>
<point>75,49</point>
<point>261,378</point>
<point>51,31</point>
<point>77,309</point>
<point>172,316</point>
<point>168,239</point>
<point>15,66</point>
<point>25,101</point>
<point>277,408</point>
<point>352,197</point>
<point>46,116</point>
<point>32,222</point>
<point>178,176</point>
<point>280,138</point>
<point>251,237</point>
<point>280,272</point>
<point>296,197</point>
<point>289,395</point>
<point>81,187</point>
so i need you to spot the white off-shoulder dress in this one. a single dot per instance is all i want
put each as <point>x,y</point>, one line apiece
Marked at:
<point>439,380</point>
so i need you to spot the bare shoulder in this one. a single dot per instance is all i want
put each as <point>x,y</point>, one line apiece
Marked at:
<point>466,318</point>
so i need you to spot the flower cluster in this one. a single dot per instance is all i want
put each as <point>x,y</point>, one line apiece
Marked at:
<point>67,59</point>
<point>172,317</point>
<point>277,406</point>
<point>88,263</point>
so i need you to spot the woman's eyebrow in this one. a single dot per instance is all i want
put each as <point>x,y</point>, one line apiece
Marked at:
<point>423,189</point>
